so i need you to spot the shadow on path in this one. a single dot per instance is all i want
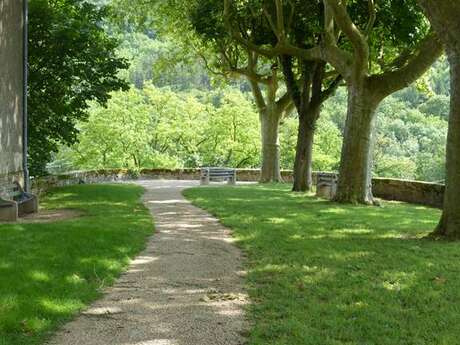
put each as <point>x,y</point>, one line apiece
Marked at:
<point>185,288</point>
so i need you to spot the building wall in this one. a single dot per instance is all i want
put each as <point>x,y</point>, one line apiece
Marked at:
<point>11,89</point>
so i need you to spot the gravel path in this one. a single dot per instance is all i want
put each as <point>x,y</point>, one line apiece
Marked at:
<point>184,289</point>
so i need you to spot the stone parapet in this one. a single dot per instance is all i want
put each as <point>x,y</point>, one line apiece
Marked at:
<point>416,192</point>
<point>424,193</point>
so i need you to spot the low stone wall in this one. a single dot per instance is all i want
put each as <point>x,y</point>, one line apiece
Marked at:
<point>112,175</point>
<point>247,175</point>
<point>424,193</point>
<point>416,192</point>
<point>253,175</point>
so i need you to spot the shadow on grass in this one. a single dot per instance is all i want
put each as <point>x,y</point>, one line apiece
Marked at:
<point>50,271</point>
<point>325,273</point>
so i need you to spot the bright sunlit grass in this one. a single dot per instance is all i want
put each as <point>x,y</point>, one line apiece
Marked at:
<point>48,272</point>
<point>326,274</point>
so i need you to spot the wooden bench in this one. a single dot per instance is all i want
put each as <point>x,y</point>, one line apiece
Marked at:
<point>326,185</point>
<point>15,202</point>
<point>218,174</point>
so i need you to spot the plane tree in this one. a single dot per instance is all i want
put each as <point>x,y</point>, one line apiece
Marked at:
<point>444,16</point>
<point>402,55</point>
<point>378,48</point>
<point>203,26</point>
<point>226,57</point>
<point>198,27</point>
<point>307,81</point>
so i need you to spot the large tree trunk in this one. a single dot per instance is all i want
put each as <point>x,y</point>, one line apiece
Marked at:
<point>449,226</point>
<point>270,121</point>
<point>307,97</point>
<point>304,150</point>
<point>355,174</point>
<point>444,16</point>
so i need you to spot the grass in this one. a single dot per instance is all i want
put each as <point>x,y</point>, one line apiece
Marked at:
<point>49,272</point>
<point>321,273</point>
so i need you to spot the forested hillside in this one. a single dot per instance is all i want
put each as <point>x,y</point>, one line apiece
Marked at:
<point>178,113</point>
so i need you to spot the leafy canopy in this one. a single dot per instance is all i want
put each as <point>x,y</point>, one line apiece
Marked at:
<point>72,61</point>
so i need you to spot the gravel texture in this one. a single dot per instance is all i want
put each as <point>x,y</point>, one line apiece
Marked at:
<point>185,288</point>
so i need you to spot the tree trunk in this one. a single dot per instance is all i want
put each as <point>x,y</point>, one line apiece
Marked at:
<point>443,15</point>
<point>270,121</point>
<point>355,175</point>
<point>449,225</point>
<point>307,97</point>
<point>304,150</point>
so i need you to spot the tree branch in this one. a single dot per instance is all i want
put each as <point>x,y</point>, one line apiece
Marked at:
<point>284,102</point>
<point>331,88</point>
<point>258,96</point>
<point>339,59</point>
<point>355,36</point>
<point>271,23</point>
<point>291,82</point>
<point>280,21</point>
<point>329,28</point>
<point>208,66</point>
<point>291,16</point>
<point>270,52</point>
<point>372,17</point>
<point>250,75</point>
<point>428,51</point>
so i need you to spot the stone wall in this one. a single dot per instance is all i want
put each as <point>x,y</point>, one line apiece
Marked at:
<point>11,89</point>
<point>113,175</point>
<point>424,193</point>
<point>416,192</point>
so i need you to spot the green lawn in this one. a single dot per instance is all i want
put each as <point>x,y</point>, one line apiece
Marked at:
<point>321,273</point>
<point>48,272</point>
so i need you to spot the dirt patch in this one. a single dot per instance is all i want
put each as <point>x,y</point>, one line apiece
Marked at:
<point>50,216</point>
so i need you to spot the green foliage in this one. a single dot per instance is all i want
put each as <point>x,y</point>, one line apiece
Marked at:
<point>50,272</point>
<point>186,128</point>
<point>71,61</point>
<point>231,132</point>
<point>327,144</point>
<point>440,77</point>
<point>325,273</point>
<point>155,127</point>
<point>411,141</point>
<point>160,128</point>
<point>399,25</point>
<point>437,105</point>
<point>163,62</point>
